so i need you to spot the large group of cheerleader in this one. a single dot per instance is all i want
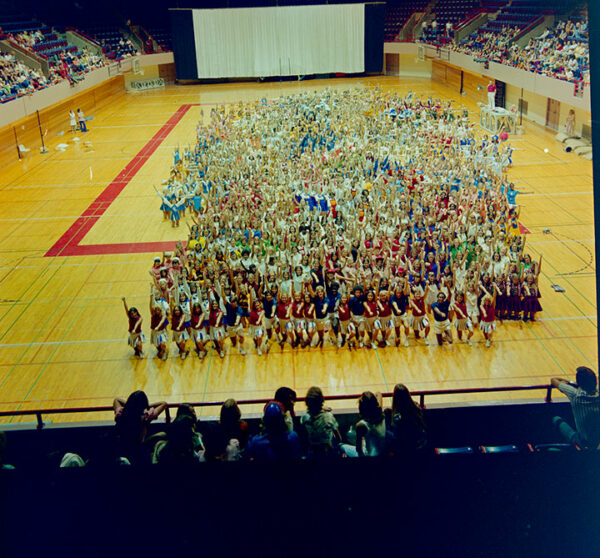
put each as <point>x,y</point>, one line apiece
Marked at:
<point>355,218</point>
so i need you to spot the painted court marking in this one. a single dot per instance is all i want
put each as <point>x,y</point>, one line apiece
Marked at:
<point>69,243</point>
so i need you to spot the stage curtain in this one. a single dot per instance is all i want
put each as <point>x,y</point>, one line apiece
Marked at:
<point>294,40</point>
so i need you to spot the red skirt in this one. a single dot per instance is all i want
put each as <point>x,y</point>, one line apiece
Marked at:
<point>531,304</point>
<point>513,304</point>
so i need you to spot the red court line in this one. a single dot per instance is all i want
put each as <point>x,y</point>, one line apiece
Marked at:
<point>68,243</point>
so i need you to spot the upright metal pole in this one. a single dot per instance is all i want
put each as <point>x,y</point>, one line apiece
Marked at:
<point>521,109</point>
<point>17,142</point>
<point>41,133</point>
<point>594,21</point>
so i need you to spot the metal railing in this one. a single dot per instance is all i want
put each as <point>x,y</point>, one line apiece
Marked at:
<point>39,413</point>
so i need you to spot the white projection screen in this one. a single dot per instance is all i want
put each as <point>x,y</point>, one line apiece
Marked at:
<point>282,41</point>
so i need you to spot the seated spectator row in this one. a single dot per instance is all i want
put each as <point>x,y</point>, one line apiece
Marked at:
<point>17,79</point>
<point>561,52</point>
<point>399,431</point>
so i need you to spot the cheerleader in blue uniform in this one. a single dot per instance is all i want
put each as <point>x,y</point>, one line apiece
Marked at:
<point>197,202</point>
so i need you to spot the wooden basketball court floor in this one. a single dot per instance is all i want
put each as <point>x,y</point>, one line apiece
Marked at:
<point>79,229</point>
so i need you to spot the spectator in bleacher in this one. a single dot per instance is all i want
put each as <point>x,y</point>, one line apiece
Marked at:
<point>231,424</point>
<point>3,465</point>
<point>320,424</point>
<point>132,418</point>
<point>407,431</point>
<point>174,444</point>
<point>369,434</point>
<point>287,397</point>
<point>71,460</point>
<point>276,442</point>
<point>585,404</point>
<point>179,447</point>
<point>226,440</point>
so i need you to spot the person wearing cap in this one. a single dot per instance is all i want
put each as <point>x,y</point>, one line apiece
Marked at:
<point>585,404</point>
<point>156,267</point>
<point>276,442</point>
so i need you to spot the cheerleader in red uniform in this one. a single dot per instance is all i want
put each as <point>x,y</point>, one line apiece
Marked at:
<point>462,321</point>
<point>310,320</point>
<point>488,317</point>
<point>347,328</point>
<point>158,328</point>
<point>419,321</point>
<point>180,335</point>
<point>136,337</point>
<point>384,322</point>
<point>513,293</point>
<point>531,303</point>
<point>257,326</point>
<point>371,316</point>
<point>198,331</point>
<point>286,327</point>
<point>502,298</point>
<point>217,331</point>
<point>299,322</point>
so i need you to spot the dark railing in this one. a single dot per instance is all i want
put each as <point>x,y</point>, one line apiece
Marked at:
<point>39,413</point>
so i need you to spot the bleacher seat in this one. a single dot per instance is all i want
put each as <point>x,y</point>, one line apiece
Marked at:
<point>454,451</point>
<point>499,449</point>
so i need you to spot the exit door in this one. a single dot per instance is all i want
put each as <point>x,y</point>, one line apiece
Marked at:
<point>553,114</point>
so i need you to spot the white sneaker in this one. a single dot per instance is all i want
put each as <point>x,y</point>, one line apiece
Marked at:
<point>468,342</point>
<point>182,356</point>
<point>373,346</point>
<point>339,343</point>
<point>259,351</point>
<point>222,354</point>
<point>387,343</point>
<point>488,343</point>
<point>242,351</point>
<point>426,341</point>
<point>406,342</point>
<point>361,345</point>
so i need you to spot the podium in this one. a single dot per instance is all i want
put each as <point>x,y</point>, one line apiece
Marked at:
<point>497,120</point>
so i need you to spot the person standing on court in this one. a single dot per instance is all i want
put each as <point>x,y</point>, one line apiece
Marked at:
<point>585,404</point>
<point>491,94</point>
<point>72,121</point>
<point>81,120</point>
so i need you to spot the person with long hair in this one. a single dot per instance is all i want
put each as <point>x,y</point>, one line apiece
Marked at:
<point>287,397</point>
<point>132,418</point>
<point>407,426</point>
<point>370,430</point>
<point>178,449</point>
<point>136,337</point>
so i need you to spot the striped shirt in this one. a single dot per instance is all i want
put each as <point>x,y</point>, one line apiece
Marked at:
<point>586,411</point>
